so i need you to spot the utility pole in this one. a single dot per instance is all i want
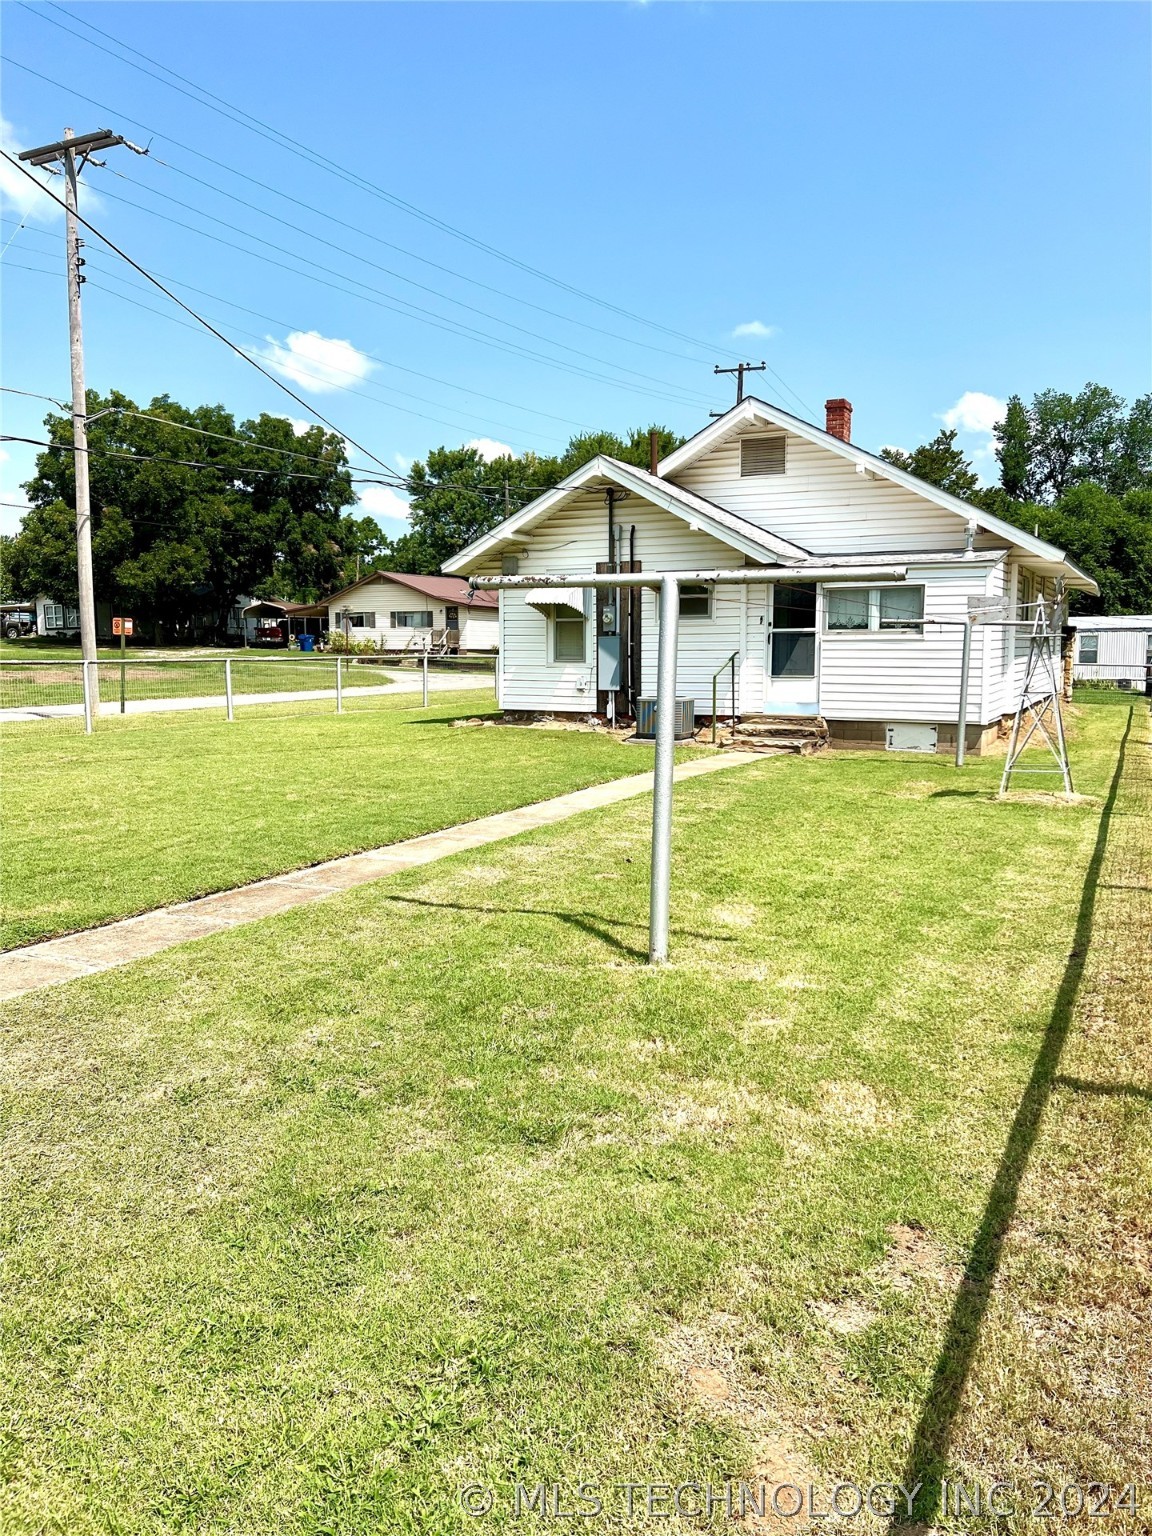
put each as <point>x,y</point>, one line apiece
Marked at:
<point>66,151</point>
<point>740,370</point>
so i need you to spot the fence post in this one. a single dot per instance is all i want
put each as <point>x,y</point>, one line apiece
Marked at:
<point>87,681</point>
<point>425,677</point>
<point>228,687</point>
<point>339,686</point>
<point>123,688</point>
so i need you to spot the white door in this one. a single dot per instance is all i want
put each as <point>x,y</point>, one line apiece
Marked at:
<point>790,686</point>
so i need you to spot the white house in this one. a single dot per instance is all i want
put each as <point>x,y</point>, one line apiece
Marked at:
<point>398,611</point>
<point>1113,650</point>
<point>759,489</point>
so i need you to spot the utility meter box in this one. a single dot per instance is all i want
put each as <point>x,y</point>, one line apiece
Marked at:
<point>685,718</point>
<point>608,670</point>
<point>910,738</point>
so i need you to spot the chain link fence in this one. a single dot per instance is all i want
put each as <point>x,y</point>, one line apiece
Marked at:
<point>79,695</point>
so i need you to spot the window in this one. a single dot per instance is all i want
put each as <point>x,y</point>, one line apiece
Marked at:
<point>1090,648</point>
<point>53,616</point>
<point>412,619</point>
<point>875,608</point>
<point>362,620</point>
<point>695,602</point>
<point>762,455</point>
<point>567,636</point>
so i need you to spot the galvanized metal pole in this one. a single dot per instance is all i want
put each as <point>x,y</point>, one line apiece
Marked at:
<point>339,686</point>
<point>87,681</point>
<point>425,677</point>
<point>662,783</point>
<point>228,687</point>
<point>962,715</point>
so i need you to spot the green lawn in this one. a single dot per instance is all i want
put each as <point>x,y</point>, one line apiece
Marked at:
<point>60,682</point>
<point>155,809</point>
<point>314,1221</point>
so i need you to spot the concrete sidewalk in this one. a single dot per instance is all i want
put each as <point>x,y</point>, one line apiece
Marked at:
<point>133,938</point>
<point>403,682</point>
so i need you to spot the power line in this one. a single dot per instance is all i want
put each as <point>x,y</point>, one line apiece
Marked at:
<point>211,160</point>
<point>385,362</point>
<point>347,389</point>
<point>231,345</point>
<point>379,267</point>
<point>231,471</point>
<point>404,306</point>
<point>224,108</point>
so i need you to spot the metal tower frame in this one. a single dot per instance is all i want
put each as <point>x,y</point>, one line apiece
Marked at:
<point>1039,698</point>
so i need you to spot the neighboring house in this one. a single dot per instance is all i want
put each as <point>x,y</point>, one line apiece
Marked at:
<point>400,612</point>
<point>58,621</point>
<point>1113,650</point>
<point>761,489</point>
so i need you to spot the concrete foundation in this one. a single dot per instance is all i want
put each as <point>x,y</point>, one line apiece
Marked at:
<point>869,735</point>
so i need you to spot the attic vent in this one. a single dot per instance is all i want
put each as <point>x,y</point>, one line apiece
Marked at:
<point>762,455</point>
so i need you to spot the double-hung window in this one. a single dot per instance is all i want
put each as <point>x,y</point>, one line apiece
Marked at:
<point>884,610</point>
<point>1089,649</point>
<point>695,601</point>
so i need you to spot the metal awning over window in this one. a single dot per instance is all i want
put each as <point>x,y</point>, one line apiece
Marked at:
<point>556,597</point>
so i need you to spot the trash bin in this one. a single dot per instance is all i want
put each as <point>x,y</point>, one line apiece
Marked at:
<point>306,642</point>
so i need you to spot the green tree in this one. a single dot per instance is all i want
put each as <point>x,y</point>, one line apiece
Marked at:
<point>184,522</point>
<point>1062,440</point>
<point>939,462</point>
<point>1014,450</point>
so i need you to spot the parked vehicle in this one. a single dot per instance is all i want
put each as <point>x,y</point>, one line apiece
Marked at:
<point>17,619</point>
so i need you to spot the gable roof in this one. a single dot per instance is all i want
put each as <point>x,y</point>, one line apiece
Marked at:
<point>729,527</point>
<point>443,589</point>
<point>751,410</point>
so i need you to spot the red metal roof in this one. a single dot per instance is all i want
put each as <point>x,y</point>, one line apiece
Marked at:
<point>445,589</point>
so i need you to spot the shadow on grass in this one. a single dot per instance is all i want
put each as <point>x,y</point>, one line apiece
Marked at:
<point>588,922</point>
<point>927,1457</point>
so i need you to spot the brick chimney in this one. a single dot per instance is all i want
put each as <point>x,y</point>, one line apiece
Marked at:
<point>838,419</point>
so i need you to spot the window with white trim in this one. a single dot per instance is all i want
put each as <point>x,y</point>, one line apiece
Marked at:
<point>695,601</point>
<point>415,618</point>
<point>53,616</point>
<point>1089,648</point>
<point>568,643</point>
<point>886,610</point>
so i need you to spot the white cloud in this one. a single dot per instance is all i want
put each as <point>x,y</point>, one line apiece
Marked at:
<point>382,503</point>
<point>754,328</point>
<point>892,448</point>
<point>402,464</point>
<point>299,425</point>
<point>488,448</point>
<point>975,412</point>
<point>19,195</point>
<point>318,362</point>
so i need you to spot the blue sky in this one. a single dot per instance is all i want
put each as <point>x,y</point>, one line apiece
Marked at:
<point>923,207</point>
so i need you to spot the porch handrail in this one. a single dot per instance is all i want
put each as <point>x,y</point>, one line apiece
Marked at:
<point>730,662</point>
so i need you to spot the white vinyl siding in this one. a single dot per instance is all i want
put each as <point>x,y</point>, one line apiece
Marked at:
<point>821,502</point>
<point>1118,655</point>
<point>910,674</point>
<point>574,539</point>
<point>395,616</point>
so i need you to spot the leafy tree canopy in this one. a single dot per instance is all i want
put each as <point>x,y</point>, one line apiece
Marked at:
<point>939,462</point>
<point>1062,440</point>
<point>182,522</point>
